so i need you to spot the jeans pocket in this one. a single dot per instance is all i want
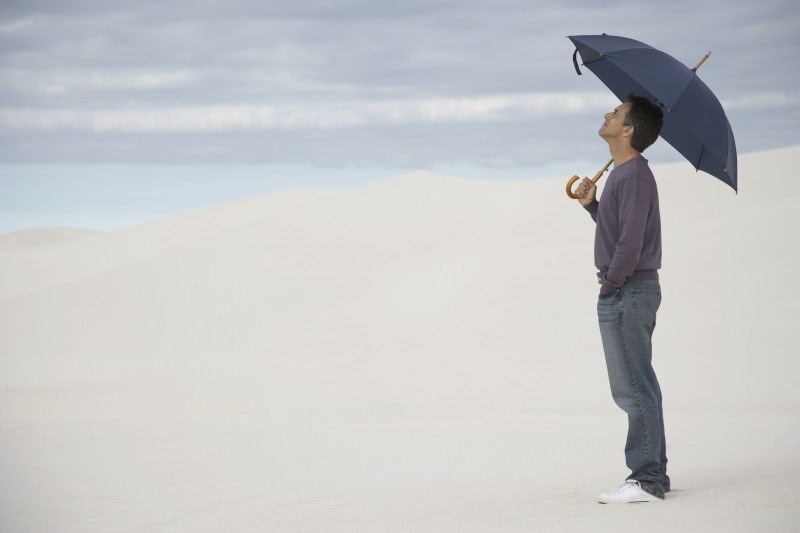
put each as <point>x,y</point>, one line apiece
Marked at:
<point>645,305</point>
<point>609,307</point>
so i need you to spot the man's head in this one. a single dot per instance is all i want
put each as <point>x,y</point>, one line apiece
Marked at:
<point>636,121</point>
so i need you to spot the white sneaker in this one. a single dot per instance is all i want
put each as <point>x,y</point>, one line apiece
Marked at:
<point>628,492</point>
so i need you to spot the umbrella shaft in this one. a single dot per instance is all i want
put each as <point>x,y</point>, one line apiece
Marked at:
<point>697,66</point>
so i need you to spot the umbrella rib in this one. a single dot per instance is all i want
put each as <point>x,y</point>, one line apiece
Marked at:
<point>593,60</point>
<point>679,96</point>
<point>700,157</point>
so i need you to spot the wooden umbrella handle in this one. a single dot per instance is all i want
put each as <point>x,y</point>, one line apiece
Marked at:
<point>596,177</point>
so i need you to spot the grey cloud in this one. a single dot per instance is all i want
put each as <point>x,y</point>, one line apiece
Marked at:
<point>288,53</point>
<point>523,144</point>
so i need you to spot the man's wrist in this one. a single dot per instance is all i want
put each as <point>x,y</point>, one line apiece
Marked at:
<point>607,287</point>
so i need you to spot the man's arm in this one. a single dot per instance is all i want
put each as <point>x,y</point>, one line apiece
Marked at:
<point>633,198</point>
<point>592,209</point>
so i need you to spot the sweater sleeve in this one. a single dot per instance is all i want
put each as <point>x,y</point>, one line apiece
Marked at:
<point>633,199</point>
<point>592,209</point>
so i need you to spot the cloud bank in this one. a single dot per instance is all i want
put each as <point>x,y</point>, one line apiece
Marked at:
<point>93,81</point>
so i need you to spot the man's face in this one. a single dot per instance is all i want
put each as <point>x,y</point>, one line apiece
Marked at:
<point>612,128</point>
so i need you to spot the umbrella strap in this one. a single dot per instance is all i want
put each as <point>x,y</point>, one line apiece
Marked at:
<point>575,61</point>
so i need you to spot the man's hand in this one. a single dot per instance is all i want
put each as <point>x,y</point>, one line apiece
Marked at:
<point>586,192</point>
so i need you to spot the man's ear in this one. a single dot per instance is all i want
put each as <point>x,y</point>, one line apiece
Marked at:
<point>627,131</point>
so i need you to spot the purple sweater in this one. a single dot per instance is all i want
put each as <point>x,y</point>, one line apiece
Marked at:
<point>627,240</point>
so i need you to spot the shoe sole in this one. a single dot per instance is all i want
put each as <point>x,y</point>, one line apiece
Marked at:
<point>635,501</point>
<point>653,499</point>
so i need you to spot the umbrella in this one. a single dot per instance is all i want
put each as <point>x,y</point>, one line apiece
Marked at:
<point>694,121</point>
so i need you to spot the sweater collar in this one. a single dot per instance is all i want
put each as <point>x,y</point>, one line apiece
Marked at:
<point>640,156</point>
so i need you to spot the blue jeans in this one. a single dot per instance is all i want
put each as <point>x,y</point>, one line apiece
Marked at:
<point>627,319</point>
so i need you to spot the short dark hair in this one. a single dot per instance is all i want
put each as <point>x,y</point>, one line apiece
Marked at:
<point>646,119</point>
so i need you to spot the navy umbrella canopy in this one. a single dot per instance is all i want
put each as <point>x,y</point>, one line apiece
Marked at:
<point>694,122</point>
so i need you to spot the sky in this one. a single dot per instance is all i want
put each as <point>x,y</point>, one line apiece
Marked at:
<point>113,113</point>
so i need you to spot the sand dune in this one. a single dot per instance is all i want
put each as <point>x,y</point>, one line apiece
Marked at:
<point>29,238</point>
<point>418,354</point>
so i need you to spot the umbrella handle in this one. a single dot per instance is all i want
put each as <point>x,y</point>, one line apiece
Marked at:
<point>596,177</point>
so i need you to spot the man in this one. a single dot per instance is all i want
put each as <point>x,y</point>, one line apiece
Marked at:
<point>627,253</point>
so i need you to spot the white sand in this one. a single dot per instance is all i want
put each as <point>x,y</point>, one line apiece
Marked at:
<point>28,238</point>
<point>418,354</point>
